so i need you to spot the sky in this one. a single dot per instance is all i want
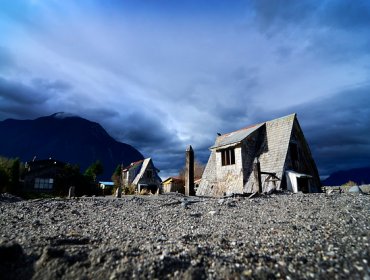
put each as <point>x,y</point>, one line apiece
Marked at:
<point>162,75</point>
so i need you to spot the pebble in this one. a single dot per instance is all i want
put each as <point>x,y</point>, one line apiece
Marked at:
<point>173,237</point>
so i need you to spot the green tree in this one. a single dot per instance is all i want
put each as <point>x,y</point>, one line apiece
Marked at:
<point>4,180</point>
<point>9,174</point>
<point>94,170</point>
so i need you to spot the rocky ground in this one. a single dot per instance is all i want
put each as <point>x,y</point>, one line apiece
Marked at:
<point>312,236</point>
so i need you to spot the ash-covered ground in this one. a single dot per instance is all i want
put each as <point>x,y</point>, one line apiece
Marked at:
<point>300,236</point>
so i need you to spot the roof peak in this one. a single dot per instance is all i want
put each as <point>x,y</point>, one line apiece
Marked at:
<point>236,136</point>
<point>258,124</point>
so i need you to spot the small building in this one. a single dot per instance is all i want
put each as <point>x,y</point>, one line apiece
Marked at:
<point>143,175</point>
<point>43,175</point>
<point>106,185</point>
<point>173,184</point>
<point>278,147</point>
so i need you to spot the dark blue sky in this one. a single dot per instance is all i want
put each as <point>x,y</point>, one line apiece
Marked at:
<point>164,74</point>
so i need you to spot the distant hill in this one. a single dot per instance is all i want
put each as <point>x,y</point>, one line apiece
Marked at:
<point>66,138</point>
<point>358,175</point>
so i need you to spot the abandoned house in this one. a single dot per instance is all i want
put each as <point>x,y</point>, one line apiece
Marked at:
<point>42,175</point>
<point>262,157</point>
<point>143,175</point>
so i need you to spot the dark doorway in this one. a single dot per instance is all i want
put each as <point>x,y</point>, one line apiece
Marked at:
<point>303,185</point>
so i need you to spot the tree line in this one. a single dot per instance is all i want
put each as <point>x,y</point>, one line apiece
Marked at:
<point>13,172</point>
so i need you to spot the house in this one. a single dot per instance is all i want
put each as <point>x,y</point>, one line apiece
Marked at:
<point>143,175</point>
<point>174,184</point>
<point>274,153</point>
<point>43,175</point>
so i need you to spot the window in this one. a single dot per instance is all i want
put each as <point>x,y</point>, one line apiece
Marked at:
<point>227,156</point>
<point>44,183</point>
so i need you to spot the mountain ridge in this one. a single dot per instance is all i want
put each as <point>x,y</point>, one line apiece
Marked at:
<point>358,175</point>
<point>65,137</point>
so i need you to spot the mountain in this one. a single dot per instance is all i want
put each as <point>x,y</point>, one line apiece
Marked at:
<point>358,175</point>
<point>66,138</point>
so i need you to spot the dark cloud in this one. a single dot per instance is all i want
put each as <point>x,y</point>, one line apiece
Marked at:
<point>272,16</point>
<point>16,92</point>
<point>20,100</point>
<point>347,15</point>
<point>337,129</point>
<point>335,30</point>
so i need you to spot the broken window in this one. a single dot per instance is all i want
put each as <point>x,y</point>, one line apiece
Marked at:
<point>293,151</point>
<point>228,156</point>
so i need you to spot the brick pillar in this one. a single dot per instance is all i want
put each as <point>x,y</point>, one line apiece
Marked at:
<point>189,172</point>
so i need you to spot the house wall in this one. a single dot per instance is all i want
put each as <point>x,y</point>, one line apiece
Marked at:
<point>305,163</point>
<point>174,187</point>
<point>148,177</point>
<point>273,152</point>
<point>208,185</point>
<point>45,173</point>
<point>230,177</point>
<point>127,180</point>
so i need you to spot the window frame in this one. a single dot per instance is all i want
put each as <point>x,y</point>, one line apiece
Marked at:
<point>44,183</point>
<point>227,156</point>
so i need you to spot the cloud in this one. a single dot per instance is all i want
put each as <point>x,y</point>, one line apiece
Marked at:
<point>346,15</point>
<point>273,16</point>
<point>337,128</point>
<point>17,92</point>
<point>28,100</point>
<point>6,59</point>
<point>49,85</point>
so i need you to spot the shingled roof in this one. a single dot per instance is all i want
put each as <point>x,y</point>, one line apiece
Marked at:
<point>235,137</point>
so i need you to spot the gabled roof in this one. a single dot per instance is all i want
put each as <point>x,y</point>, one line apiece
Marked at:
<point>134,165</point>
<point>142,170</point>
<point>174,179</point>
<point>235,137</point>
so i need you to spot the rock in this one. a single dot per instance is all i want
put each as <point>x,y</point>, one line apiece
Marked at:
<point>10,251</point>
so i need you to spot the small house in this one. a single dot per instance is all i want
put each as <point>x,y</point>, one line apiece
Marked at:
<point>174,184</point>
<point>143,175</point>
<point>261,157</point>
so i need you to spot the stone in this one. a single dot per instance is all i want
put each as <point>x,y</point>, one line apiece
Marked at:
<point>10,251</point>
<point>71,192</point>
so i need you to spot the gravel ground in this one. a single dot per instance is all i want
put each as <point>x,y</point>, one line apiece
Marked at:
<point>168,236</point>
